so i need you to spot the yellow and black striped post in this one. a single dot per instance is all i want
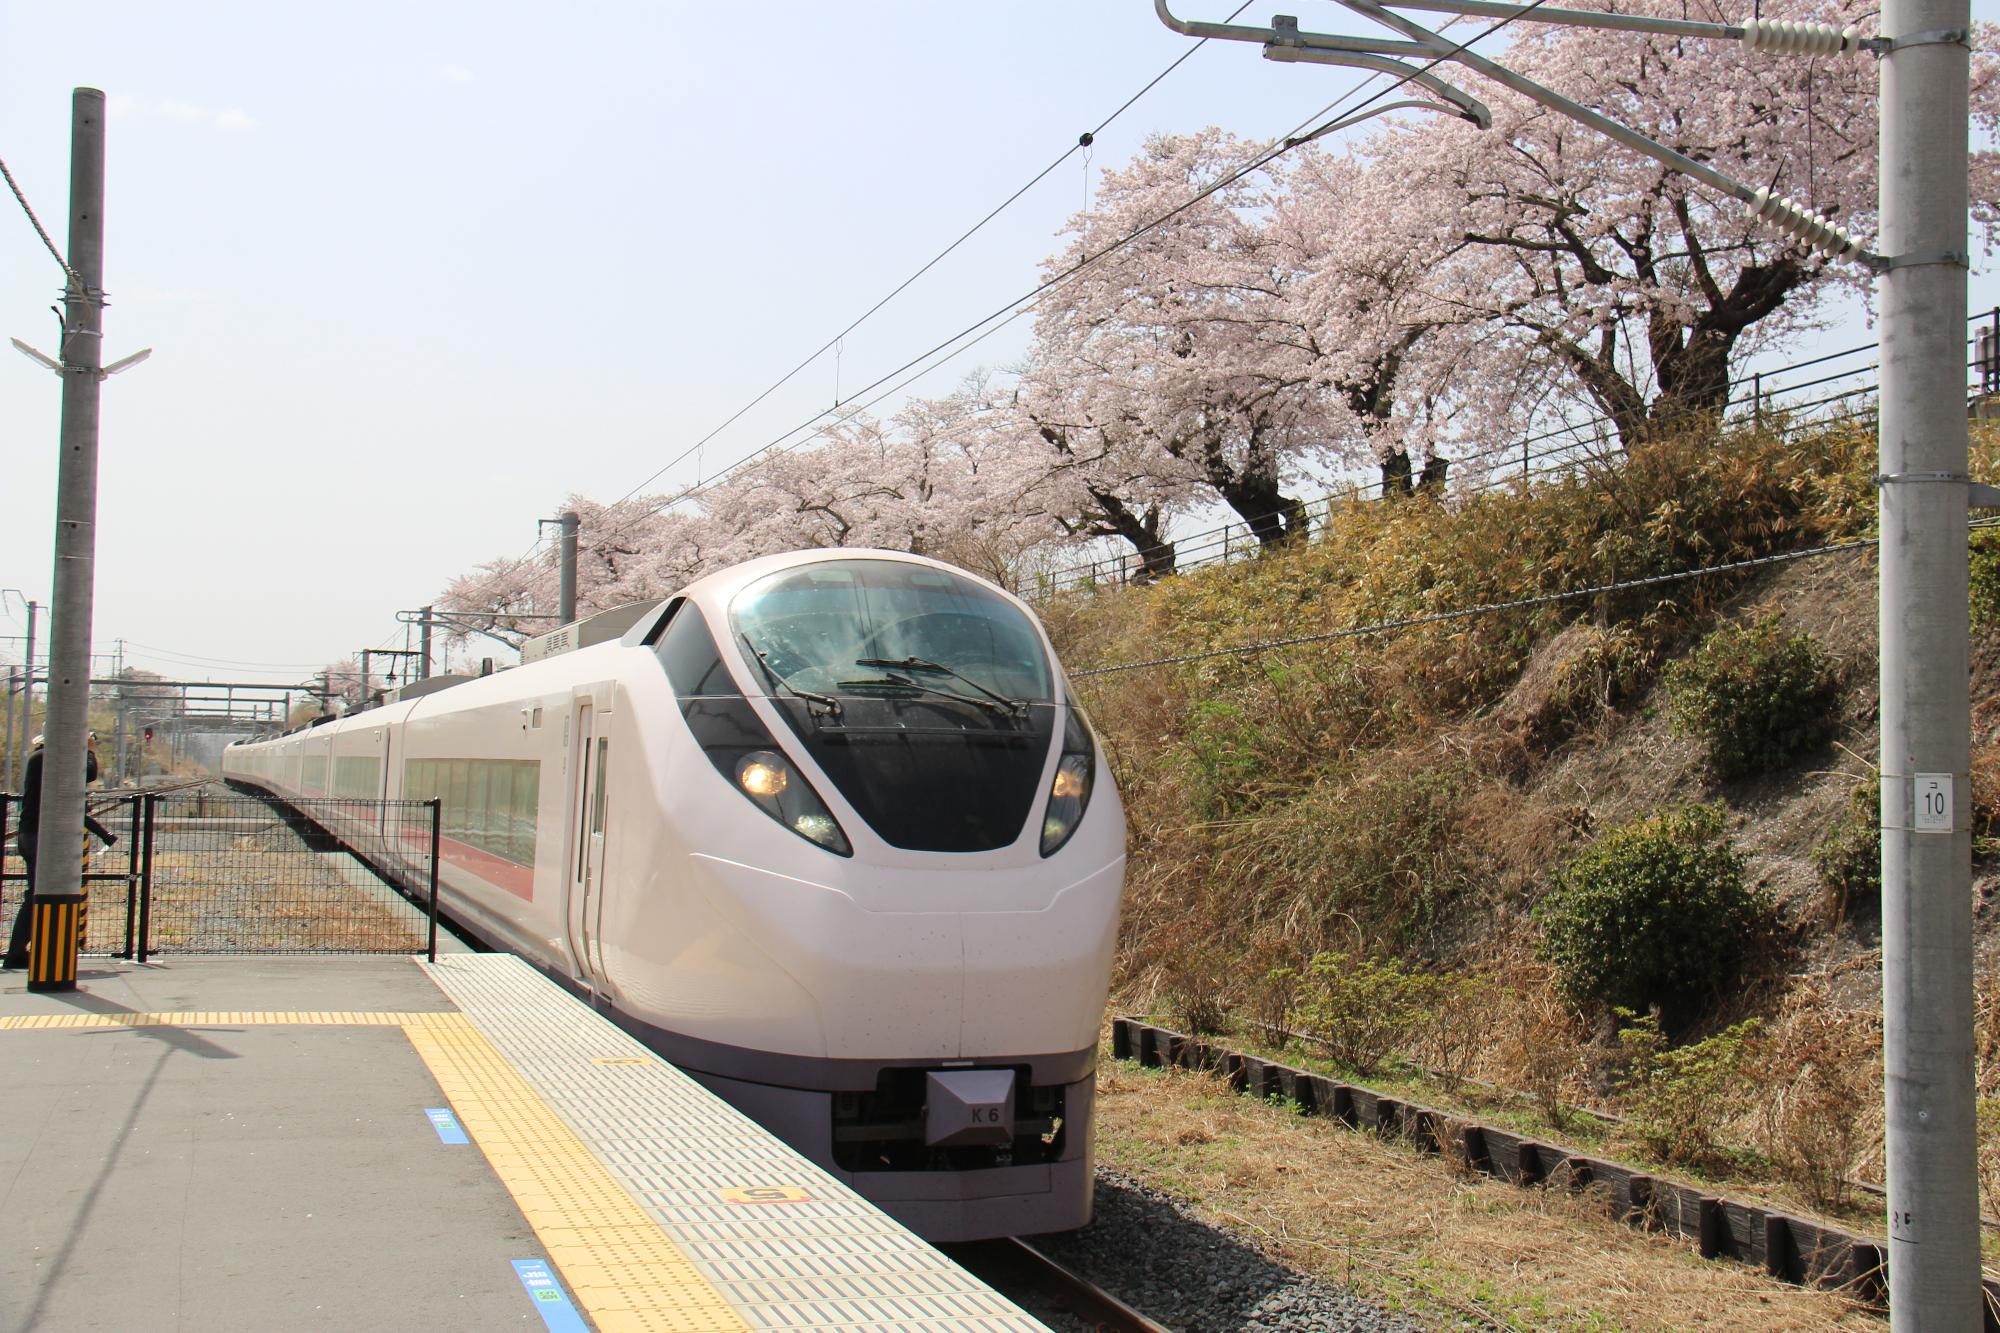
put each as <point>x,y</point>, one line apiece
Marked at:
<point>83,890</point>
<point>53,942</point>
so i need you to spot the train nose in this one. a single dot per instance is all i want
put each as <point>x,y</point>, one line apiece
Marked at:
<point>969,1107</point>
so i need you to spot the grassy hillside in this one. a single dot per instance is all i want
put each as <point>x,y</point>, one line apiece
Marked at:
<point>1425,847</point>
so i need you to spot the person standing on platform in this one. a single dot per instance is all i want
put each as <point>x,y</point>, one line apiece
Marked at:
<point>30,838</point>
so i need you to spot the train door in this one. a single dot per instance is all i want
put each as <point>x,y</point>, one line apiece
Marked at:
<point>590,762</point>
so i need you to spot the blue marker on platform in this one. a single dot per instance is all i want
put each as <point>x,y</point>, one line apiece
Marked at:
<point>446,1124</point>
<point>549,1297</point>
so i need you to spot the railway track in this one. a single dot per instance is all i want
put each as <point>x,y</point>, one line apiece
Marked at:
<point>1041,1285</point>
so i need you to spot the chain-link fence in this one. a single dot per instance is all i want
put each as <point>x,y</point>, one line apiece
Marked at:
<point>206,869</point>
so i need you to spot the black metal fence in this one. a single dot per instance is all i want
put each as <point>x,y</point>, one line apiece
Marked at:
<point>206,869</point>
<point>110,871</point>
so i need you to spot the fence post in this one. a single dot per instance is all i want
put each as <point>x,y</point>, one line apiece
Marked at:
<point>131,877</point>
<point>1992,377</point>
<point>149,805</point>
<point>437,827</point>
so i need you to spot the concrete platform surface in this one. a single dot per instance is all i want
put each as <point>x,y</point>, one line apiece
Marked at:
<point>225,1177</point>
<point>246,1143</point>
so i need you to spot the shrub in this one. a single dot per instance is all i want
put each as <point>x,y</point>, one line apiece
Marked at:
<point>1755,696</point>
<point>1365,1010</point>
<point>1849,858</point>
<point>1652,913</point>
<point>1194,986</point>
<point>1223,755</point>
<point>1984,561</point>
<point>1989,1151</point>
<point>1678,1098</point>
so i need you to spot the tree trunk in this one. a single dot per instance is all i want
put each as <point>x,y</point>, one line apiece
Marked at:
<point>1273,517</point>
<point>1396,474</point>
<point>1115,518</point>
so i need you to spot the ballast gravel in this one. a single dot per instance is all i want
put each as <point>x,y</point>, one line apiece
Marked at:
<point>1146,1249</point>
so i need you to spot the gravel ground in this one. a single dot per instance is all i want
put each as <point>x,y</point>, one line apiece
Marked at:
<point>1145,1248</point>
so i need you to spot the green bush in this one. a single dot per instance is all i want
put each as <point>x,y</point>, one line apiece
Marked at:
<point>1365,1010</point>
<point>1652,913</point>
<point>1985,571</point>
<point>1755,696</point>
<point>1849,858</point>
<point>1678,1098</point>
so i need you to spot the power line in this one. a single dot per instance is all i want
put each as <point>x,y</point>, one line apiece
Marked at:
<point>1084,140</point>
<point>1490,608</point>
<point>1020,305</point>
<point>1276,149</point>
<point>154,650</point>
<point>40,231</point>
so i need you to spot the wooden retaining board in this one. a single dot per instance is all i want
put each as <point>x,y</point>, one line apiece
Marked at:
<point>1786,1247</point>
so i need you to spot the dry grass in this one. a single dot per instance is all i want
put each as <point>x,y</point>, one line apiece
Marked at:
<point>259,899</point>
<point>245,895</point>
<point>1414,1233</point>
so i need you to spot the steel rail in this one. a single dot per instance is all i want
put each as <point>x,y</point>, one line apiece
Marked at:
<point>1012,1263</point>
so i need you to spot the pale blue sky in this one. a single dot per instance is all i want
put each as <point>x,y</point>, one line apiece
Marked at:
<point>411,273</point>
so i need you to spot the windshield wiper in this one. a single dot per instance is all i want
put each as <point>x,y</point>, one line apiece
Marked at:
<point>905,683</point>
<point>919,664</point>
<point>826,701</point>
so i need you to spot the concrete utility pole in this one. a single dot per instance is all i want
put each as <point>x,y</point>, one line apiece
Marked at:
<point>1931,1138</point>
<point>59,884</point>
<point>7,779</point>
<point>566,575</point>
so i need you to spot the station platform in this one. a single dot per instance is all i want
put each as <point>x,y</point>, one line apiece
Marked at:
<point>239,1143</point>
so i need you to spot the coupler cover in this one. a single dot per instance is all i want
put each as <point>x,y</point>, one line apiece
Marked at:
<point>969,1107</point>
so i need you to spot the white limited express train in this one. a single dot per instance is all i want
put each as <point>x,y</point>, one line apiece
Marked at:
<point>826,830</point>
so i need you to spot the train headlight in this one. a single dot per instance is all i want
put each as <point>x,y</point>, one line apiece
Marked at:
<point>741,747</point>
<point>767,778</point>
<point>762,773</point>
<point>1069,793</point>
<point>821,829</point>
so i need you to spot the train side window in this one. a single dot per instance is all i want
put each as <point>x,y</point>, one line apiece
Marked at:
<point>688,651</point>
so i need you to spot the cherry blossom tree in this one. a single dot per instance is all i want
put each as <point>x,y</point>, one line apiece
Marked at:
<point>1175,367</point>
<point>344,679</point>
<point>1431,291</point>
<point>1574,263</point>
<point>633,550</point>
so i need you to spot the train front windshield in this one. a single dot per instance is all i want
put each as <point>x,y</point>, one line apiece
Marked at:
<point>855,627</point>
<point>926,698</point>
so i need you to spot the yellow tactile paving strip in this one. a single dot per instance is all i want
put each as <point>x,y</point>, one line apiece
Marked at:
<point>226,1018</point>
<point>622,1270</point>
